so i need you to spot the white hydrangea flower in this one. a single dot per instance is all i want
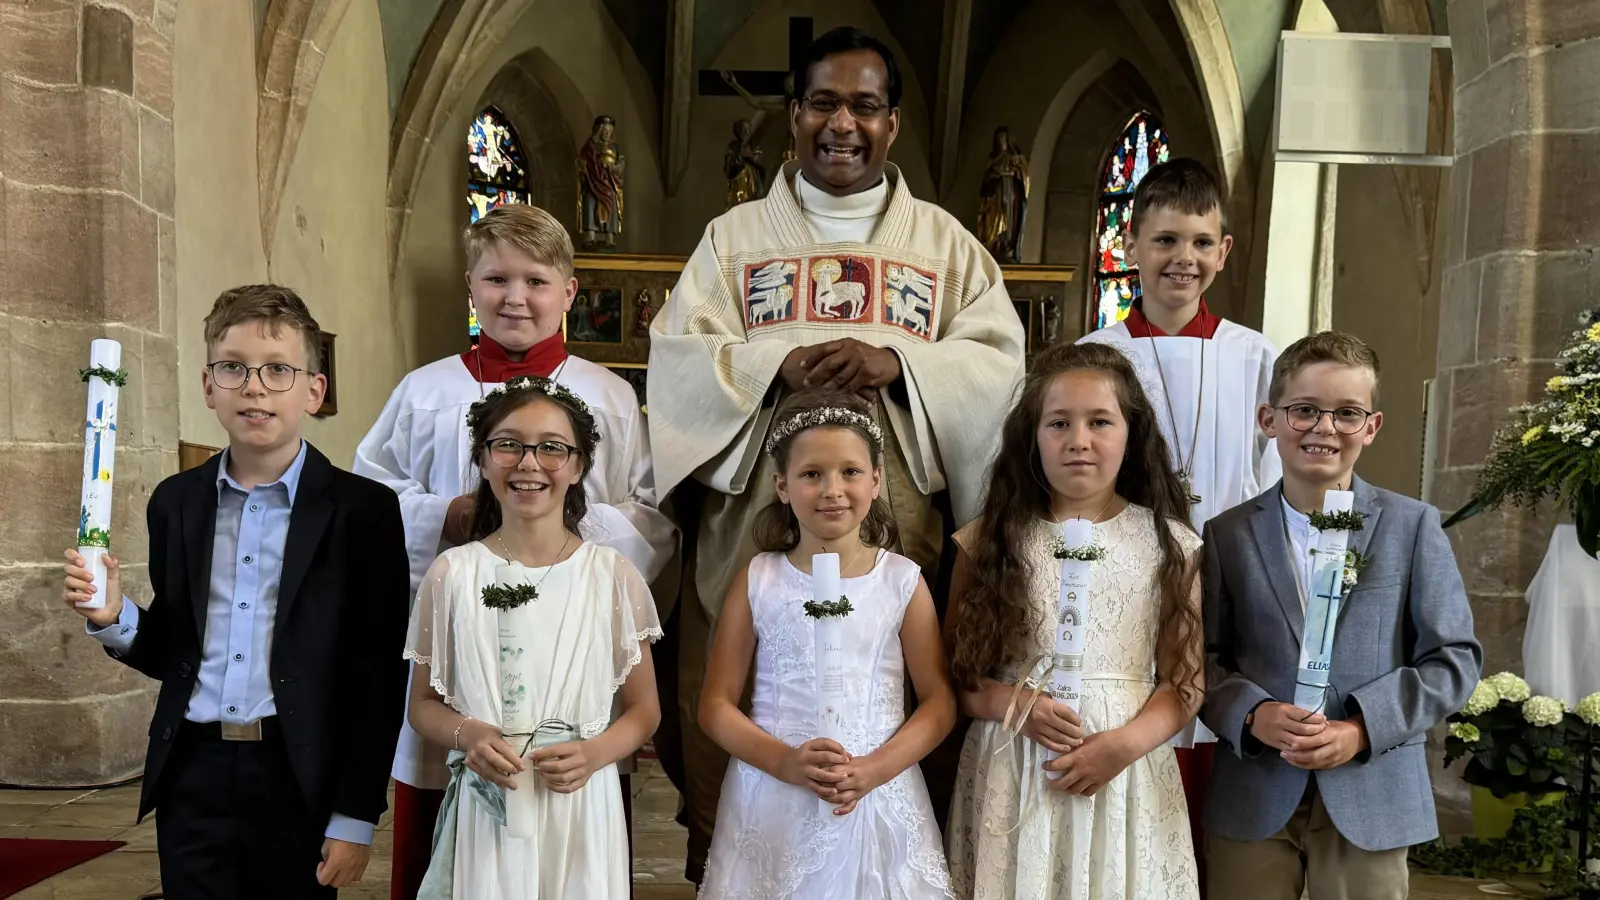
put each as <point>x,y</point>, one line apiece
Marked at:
<point>1484,698</point>
<point>1465,731</point>
<point>1510,687</point>
<point>1543,711</point>
<point>1589,709</point>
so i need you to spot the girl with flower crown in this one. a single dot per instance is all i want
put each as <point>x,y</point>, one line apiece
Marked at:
<point>874,834</point>
<point>521,638</point>
<point>1052,802</point>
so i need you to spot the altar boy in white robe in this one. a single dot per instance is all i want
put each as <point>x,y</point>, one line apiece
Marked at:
<point>519,275</point>
<point>837,278</point>
<point>1206,376</point>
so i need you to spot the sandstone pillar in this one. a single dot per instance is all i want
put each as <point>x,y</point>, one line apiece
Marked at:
<point>1519,265</point>
<point>87,250</point>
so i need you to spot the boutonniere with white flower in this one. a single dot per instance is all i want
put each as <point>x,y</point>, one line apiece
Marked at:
<point>1354,563</point>
<point>1089,553</point>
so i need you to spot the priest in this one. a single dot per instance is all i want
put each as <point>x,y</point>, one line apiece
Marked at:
<point>838,278</point>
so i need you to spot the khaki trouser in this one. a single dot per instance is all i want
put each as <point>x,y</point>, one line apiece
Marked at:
<point>723,545</point>
<point>1309,851</point>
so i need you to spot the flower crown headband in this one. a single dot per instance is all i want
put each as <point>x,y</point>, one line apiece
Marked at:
<point>827,415</point>
<point>553,389</point>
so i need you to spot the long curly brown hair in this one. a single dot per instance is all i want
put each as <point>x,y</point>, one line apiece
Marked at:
<point>997,613</point>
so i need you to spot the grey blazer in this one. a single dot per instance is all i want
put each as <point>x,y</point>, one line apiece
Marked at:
<point>1404,658</point>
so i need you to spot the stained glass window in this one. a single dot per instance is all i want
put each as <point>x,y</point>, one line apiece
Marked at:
<point>497,174</point>
<point>1116,283</point>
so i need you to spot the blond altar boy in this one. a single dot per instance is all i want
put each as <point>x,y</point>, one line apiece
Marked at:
<point>519,275</point>
<point>1204,375</point>
<point>838,278</point>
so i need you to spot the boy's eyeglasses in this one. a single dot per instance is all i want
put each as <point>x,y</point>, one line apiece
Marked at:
<point>508,453</point>
<point>1346,419</point>
<point>860,109</point>
<point>232,376</point>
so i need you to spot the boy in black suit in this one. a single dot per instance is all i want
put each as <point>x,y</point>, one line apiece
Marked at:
<point>276,628</point>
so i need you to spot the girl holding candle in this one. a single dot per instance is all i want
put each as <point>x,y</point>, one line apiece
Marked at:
<point>877,838</point>
<point>520,638</point>
<point>1052,801</point>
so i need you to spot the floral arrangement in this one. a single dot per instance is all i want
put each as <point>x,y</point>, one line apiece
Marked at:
<point>1517,741</point>
<point>828,608</point>
<point>1550,446</point>
<point>1345,520</point>
<point>509,596</point>
<point>1089,553</point>
<point>118,378</point>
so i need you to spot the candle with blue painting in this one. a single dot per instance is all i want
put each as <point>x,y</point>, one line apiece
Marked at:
<point>1324,596</point>
<point>104,378</point>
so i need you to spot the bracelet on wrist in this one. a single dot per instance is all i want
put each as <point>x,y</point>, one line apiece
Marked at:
<point>460,725</point>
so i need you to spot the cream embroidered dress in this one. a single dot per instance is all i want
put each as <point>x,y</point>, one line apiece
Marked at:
<point>773,841</point>
<point>1130,841</point>
<point>563,657</point>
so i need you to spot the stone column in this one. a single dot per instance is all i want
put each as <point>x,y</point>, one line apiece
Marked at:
<point>87,250</point>
<point>1519,266</point>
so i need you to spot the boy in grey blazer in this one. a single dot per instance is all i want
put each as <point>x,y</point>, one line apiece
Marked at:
<point>1330,796</point>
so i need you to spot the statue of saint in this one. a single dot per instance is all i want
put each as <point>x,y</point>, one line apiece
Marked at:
<point>1004,205</point>
<point>747,177</point>
<point>642,313</point>
<point>600,170</point>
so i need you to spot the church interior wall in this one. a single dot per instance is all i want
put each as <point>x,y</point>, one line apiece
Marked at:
<point>217,205</point>
<point>762,43</point>
<point>330,244</point>
<point>1384,291</point>
<point>586,65</point>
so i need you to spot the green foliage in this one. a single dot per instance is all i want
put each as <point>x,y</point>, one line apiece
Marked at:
<point>502,596</point>
<point>828,608</point>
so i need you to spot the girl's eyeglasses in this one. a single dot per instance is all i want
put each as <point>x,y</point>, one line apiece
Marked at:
<point>508,453</point>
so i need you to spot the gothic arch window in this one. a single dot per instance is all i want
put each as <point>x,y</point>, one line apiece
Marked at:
<point>1141,144</point>
<point>497,172</point>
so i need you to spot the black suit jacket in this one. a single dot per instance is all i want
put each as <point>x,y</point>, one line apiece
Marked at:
<point>338,677</point>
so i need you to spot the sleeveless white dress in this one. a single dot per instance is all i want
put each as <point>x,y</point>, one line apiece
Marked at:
<point>773,840</point>
<point>579,641</point>
<point>1131,840</point>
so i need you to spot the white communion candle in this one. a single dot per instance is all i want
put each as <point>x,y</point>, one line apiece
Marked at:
<point>1072,619</point>
<point>99,464</point>
<point>1324,595</point>
<point>516,714</point>
<point>828,652</point>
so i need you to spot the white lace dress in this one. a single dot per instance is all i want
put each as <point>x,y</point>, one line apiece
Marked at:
<point>592,611</point>
<point>1130,841</point>
<point>772,840</point>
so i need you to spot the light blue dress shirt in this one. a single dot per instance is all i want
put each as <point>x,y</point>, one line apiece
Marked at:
<point>234,684</point>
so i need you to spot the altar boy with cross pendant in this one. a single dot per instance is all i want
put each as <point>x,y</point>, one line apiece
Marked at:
<point>1328,790</point>
<point>1204,375</point>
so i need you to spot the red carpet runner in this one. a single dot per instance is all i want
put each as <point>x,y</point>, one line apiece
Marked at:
<point>25,862</point>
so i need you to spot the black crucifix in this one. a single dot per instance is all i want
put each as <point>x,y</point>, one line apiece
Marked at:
<point>762,82</point>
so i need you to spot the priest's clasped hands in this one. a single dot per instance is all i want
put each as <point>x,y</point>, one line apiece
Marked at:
<point>844,365</point>
<point>1308,740</point>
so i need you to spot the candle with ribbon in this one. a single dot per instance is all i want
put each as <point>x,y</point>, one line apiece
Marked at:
<point>1323,598</point>
<point>827,608</point>
<point>516,712</point>
<point>105,378</point>
<point>1077,553</point>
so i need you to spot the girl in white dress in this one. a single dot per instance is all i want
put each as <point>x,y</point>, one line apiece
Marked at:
<point>521,638</point>
<point>877,838</point>
<point>1052,803</point>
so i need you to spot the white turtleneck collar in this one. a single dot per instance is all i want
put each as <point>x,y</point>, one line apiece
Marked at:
<point>853,217</point>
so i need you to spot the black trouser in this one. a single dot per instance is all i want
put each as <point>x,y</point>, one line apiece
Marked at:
<point>232,822</point>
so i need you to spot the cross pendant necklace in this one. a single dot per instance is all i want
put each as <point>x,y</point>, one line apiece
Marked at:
<point>1185,469</point>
